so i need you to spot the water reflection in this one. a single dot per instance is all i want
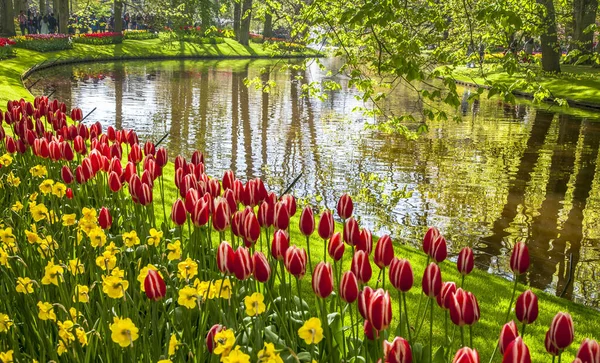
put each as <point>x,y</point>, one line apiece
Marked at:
<point>505,173</point>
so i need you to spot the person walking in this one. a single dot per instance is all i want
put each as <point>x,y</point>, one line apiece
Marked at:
<point>22,22</point>
<point>51,23</point>
<point>44,29</point>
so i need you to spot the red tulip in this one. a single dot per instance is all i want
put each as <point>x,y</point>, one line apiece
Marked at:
<point>561,330</point>
<point>345,207</point>
<point>262,269</point>
<point>265,215</point>
<point>431,235</point>
<point>161,156</point>
<point>154,286</point>
<point>11,145</point>
<point>384,251</point>
<point>398,351</point>
<point>550,348</point>
<point>279,245</point>
<point>465,261</point>
<point>445,295</point>
<point>201,213</point>
<point>508,333</point>
<point>66,174</point>
<point>379,309</point>
<point>210,337</point>
<point>439,249</point>
<point>364,297</point>
<point>365,242</point>
<point>66,151</point>
<point>349,287</point>
<point>370,332</point>
<point>307,221</point>
<point>230,197</point>
<point>225,258</point>
<point>401,274</point>
<point>295,261</point>
<point>519,260</point>
<point>104,218</point>
<point>281,216</point>
<point>228,179</point>
<point>351,232</point>
<point>336,247</point>
<point>145,196</point>
<point>69,193</point>
<point>251,227</point>
<point>589,351</point>
<point>464,309</point>
<point>243,266</point>
<point>76,114</point>
<point>290,202</point>
<point>466,355</point>
<point>221,215</point>
<point>432,280</point>
<point>114,182</point>
<point>361,266</point>
<point>322,280</point>
<point>178,213</point>
<point>526,308</point>
<point>517,352</point>
<point>191,197</point>
<point>326,225</point>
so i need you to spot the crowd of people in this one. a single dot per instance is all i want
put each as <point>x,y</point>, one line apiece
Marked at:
<point>34,23</point>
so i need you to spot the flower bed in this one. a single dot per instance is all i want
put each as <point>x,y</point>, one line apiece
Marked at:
<point>99,38</point>
<point>97,268</point>
<point>140,35</point>
<point>6,49</point>
<point>44,42</point>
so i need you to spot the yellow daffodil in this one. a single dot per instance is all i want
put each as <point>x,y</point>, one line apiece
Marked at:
<point>12,180</point>
<point>65,329</point>
<point>188,297</point>
<point>59,189</point>
<point>89,214</point>
<point>81,336</point>
<point>75,266</point>
<point>224,341</point>
<point>32,236</point>
<point>62,348</point>
<point>131,239</point>
<point>38,171</point>
<point>203,288</point>
<point>236,356</point>
<point>164,361</point>
<point>81,294</point>
<point>7,236</point>
<point>114,286</point>
<point>143,273</point>
<point>187,269</point>
<point>174,250</point>
<point>5,323</point>
<point>4,258</point>
<point>39,212</point>
<point>255,304</point>
<point>17,207</point>
<point>47,246</point>
<point>46,311</point>
<point>311,331</point>
<point>154,238</point>
<point>33,198</point>
<point>52,273</point>
<point>106,261</point>
<point>124,332</point>
<point>97,237</point>
<point>46,186</point>
<point>112,248</point>
<point>173,345</point>
<point>6,357</point>
<point>6,160</point>
<point>68,219</point>
<point>24,285</point>
<point>269,355</point>
<point>221,288</point>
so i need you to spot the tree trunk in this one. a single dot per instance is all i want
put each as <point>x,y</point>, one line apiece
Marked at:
<point>584,15</point>
<point>245,25</point>
<point>268,28</point>
<point>118,11</point>
<point>43,7</point>
<point>206,14</point>
<point>550,48</point>
<point>63,16</point>
<point>237,14</point>
<point>7,18</point>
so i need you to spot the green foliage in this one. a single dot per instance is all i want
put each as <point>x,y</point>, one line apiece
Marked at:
<point>6,52</point>
<point>140,35</point>
<point>43,44</point>
<point>99,40</point>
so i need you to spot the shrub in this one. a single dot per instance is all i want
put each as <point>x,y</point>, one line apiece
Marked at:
<point>140,35</point>
<point>6,49</point>
<point>99,38</point>
<point>44,42</point>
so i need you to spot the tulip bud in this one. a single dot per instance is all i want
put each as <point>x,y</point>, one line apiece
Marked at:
<point>280,245</point>
<point>225,258</point>
<point>154,286</point>
<point>363,301</point>
<point>466,355</point>
<point>251,228</point>
<point>210,336</point>
<point>589,351</point>
<point>201,213</point>
<point>281,215</point>
<point>221,215</point>
<point>384,252</point>
<point>114,182</point>
<point>351,232</point>
<point>439,249</point>
<point>295,261</point>
<point>465,261</point>
<point>290,202</point>
<point>345,207</point>
<point>161,157</point>
<point>561,330</point>
<point>66,174</point>
<point>401,274</point>
<point>431,235</point>
<point>445,295</point>
<point>178,213</point>
<point>149,148</point>
<point>379,309</point>
<point>69,193</point>
<point>265,214</point>
<point>307,221</point>
<point>370,332</point>
<point>243,266</point>
<point>326,225</point>
<point>336,247</point>
<point>104,218</point>
<point>349,287</point>
<point>508,333</point>
<point>365,242</point>
<point>361,267</point>
<point>191,198</point>
<point>262,269</point>
<point>550,348</point>
<point>432,280</point>
<point>322,280</point>
<point>398,351</point>
<point>526,308</point>
<point>464,308</point>
<point>519,260</point>
<point>517,352</point>
<point>228,179</point>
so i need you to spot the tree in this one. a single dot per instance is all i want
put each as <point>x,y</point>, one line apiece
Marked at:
<point>63,16</point>
<point>118,9</point>
<point>268,25</point>
<point>584,16</point>
<point>237,15</point>
<point>549,40</point>
<point>7,24</point>
<point>243,37</point>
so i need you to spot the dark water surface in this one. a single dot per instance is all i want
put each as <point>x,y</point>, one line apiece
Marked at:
<point>505,173</point>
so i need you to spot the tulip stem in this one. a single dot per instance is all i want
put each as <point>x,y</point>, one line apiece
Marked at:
<point>446,326</point>
<point>553,358</point>
<point>431,333</point>
<point>324,250</point>
<point>383,278</point>
<point>422,319</point>
<point>559,355</point>
<point>471,335</point>
<point>512,299</point>
<point>462,336</point>
<point>300,297</point>
<point>523,330</point>
<point>309,256</point>
<point>406,316</point>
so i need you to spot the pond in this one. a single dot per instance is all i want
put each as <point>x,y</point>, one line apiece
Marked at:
<point>505,173</point>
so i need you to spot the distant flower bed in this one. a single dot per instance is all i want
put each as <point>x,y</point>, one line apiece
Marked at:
<point>140,35</point>
<point>258,38</point>
<point>43,42</point>
<point>6,49</point>
<point>99,38</point>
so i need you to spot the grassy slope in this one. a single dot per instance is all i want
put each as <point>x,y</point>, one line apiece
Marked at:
<point>581,83</point>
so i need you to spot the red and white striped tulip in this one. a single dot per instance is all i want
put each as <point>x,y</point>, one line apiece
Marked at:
<point>384,252</point>
<point>243,266</point>
<point>104,218</point>
<point>519,259</point>
<point>290,202</point>
<point>154,286</point>
<point>364,297</point>
<point>351,232</point>
<point>589,351</point>
<point>508,333</point>
<point>295,261</point>
<point>466,355</point>
<point>432,280</point>
<point>210,336</point>
<point>561,330</point>
<point>401,274</point>
<point>281,215</point>
<point>361,266</point>
<point>517,352</point>
<point>336,247</point>
<point>307,221</point>
<point>326,225</point>
<point>221,215</point>
<point>398,351</point>
<point>526,307</point>
<point>464,308</point>
<point>279,245</point>
<point>178,212</point>
<point>379,309</point>
<point>225,258</point>
<point>431,235</point>
<point>262,269</point>
<point>465,261</point>
<point>365,242</point>
<point>345,207</point>
<point>349,287</point>
<point>322,280</point>
<point>439,249</point>
<point>444,297</point>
